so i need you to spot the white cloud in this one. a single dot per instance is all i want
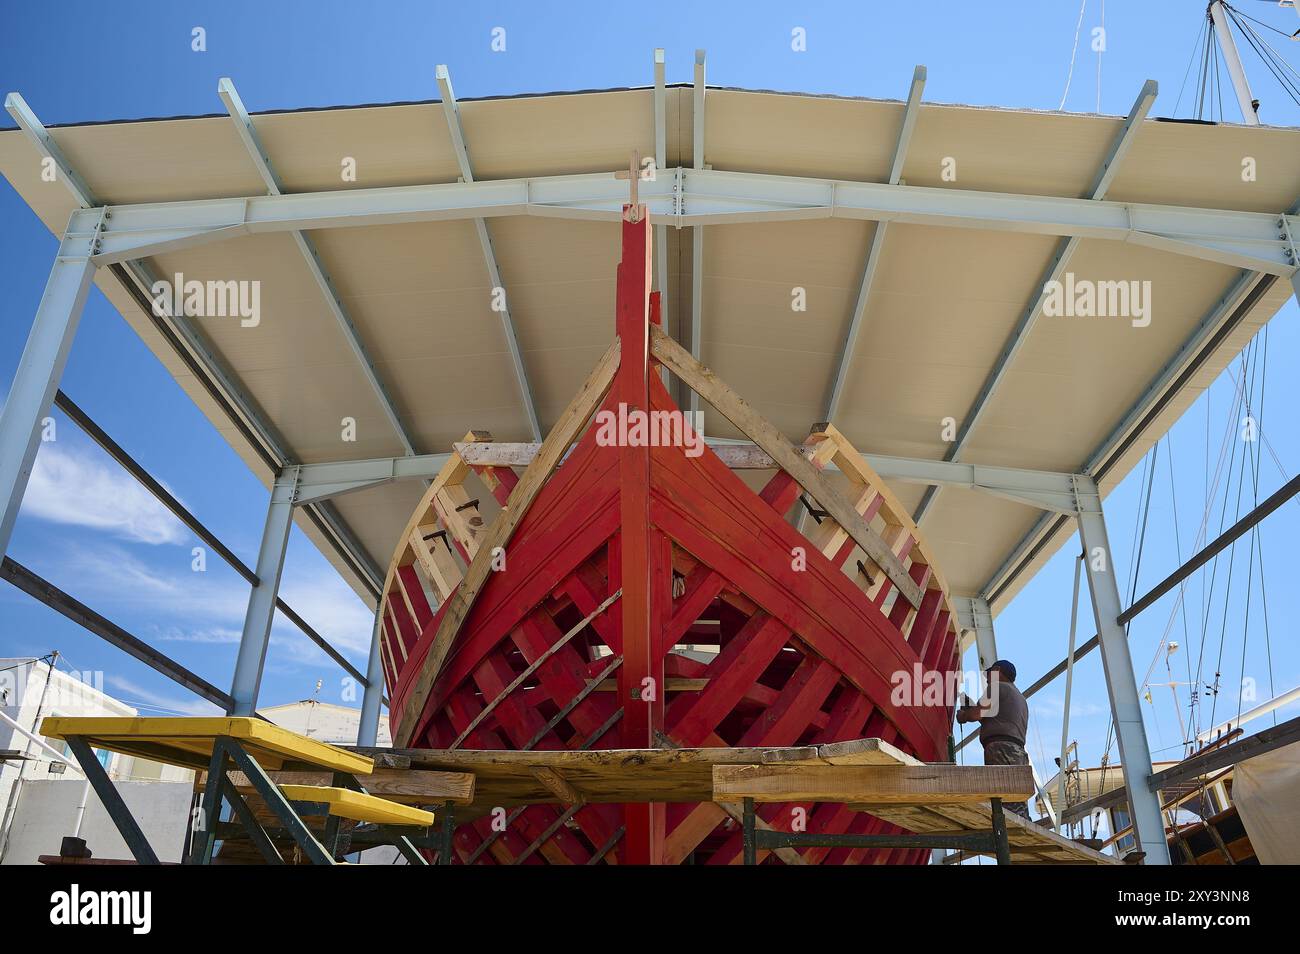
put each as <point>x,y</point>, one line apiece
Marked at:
<point>140,697</point>
<point>189,607</point>
<point>211,636</point>
<point>1054,706</point>
<point>72,487</point>
<point>332,609</point>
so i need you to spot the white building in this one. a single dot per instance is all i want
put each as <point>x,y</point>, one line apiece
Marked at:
<point>324,722</point>
<point>43,794</point>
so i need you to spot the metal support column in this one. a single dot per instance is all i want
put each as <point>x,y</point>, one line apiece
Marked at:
<point>697,239</point>
<point>1121,684</point>
<point>368,730</point>
<point>37,378</point>
<point>986,643</point>
<point>974,614</point>
<point>261,602</point>
<point>661,162</point>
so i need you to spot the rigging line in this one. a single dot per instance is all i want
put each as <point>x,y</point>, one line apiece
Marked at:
<point>1182,600</point>
<point>1268,444</point>
<point>1211,492</point>
<point>1139,525</point>
<point>1178,552</point>
<point>1141,545</point>
<point>1214,566</point>
<point>1100,51</point>
<point>1078,27</point>
<point>1218,81</point>
<point>1232,564</point>
<point>1178,548</point>
<point>1272,61</point>
<point>1278,65</point>
<point>1206,484</point>
<point>1196,45</point>
<point>1263,591</point>
<point>1203,77</point>
<point>1254,539</point>
<point>1268,26</point>
<point>1258,543</point>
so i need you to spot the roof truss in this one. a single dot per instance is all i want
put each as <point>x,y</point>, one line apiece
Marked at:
<point>1260,241</point>
<point>1060,264</point>
<point>452,111</point>
<point>311,257</point>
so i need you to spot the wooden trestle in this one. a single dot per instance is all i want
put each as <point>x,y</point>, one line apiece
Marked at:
<point>564,623</point>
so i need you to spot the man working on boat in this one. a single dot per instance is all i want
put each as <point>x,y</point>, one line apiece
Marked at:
<point>1003,715</point>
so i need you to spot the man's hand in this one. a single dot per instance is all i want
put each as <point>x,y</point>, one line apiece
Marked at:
<point>968,714</point>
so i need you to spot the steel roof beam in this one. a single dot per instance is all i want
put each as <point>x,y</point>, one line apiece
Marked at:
<point>452,111</point>
<point>138,279</point>
<point>311,257</point>
<point>1213,328</point>
<point>140,274</point>
<point>1258,240</point>
<point>1043,489</point>
<point>1065,250</point>
<point>910,111</point>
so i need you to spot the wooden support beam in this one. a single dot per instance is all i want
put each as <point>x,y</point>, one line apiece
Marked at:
<point>409,786</point>
<point>734,408</point>
<point>558,785</point>
<point>901,785</point>
<point>566,429</point>
<point>433,553</point>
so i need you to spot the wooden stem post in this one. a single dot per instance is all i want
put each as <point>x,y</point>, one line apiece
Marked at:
<point>641,682</point>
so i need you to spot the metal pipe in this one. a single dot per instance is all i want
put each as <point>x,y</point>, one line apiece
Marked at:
<point>1236,72</point>
<point>1069,681</point>
<point>368,724</point>
<point>39,741</point>
<point>1275,703</point>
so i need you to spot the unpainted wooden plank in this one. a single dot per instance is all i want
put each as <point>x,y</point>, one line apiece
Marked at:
<point>850,752</point>
<point>897,784</point>
<point>411,786</point>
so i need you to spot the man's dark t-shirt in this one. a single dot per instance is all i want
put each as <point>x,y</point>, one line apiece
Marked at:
<point>1012,718</point>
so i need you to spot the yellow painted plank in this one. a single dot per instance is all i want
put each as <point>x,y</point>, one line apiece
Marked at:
<point>359,806</point>
<point>189,736</point>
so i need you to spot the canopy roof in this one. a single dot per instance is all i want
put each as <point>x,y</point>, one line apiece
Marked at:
<point>944,305</point>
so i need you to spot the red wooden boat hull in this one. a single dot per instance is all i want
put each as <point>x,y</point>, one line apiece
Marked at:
<point>729,628</point>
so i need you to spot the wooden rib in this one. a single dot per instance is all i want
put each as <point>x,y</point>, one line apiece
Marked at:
<point>435,559</point>
<point>552,451</point>
<point>853,464</point>
<point>533,667</point>
<point>733,407</point>
<point>394,630</point>
<point>460,515</point>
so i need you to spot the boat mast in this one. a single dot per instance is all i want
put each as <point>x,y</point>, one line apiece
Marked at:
<point>1249,105</point>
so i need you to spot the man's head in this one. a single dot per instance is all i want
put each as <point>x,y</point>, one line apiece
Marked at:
<point>1005,670</point>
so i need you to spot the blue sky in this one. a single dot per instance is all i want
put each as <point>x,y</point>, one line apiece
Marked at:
<point>110,546</point>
